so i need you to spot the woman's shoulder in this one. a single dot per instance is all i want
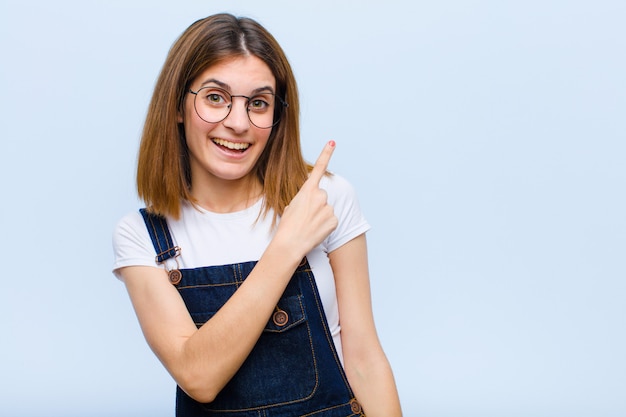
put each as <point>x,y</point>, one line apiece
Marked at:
<point>335,183</point>
<point>131,222</point>
<point>131,242</point>
<point>338,188</point>
<point>342,197</point>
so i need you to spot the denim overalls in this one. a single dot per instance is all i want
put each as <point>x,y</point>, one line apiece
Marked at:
<point>293,370</point>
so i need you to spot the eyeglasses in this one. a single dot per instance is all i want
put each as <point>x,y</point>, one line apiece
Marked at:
<point>214,104</point>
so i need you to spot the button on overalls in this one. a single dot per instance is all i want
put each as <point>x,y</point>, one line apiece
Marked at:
<point>293,370</point>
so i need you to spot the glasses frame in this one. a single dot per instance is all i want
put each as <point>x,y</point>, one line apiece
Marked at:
<point>280,105</point>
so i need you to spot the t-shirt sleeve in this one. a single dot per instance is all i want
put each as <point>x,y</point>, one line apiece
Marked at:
<point>342,197</point>
<point>131,243</point>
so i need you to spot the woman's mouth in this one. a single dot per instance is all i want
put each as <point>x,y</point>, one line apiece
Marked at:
<point>233,146</point>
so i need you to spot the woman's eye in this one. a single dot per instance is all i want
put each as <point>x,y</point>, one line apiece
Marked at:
<point>258,104</point>
<point>214,98</point>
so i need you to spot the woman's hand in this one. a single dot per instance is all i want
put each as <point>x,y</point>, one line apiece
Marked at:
<point>308,219</point>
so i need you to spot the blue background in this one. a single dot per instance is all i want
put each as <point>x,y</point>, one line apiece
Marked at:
<point>486,140</point>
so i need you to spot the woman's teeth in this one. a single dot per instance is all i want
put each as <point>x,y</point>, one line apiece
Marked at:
<point>231,145</point>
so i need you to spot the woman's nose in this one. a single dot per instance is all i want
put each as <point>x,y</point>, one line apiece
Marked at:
<point>238,118</point>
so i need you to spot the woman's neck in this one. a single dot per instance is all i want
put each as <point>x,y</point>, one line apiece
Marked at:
<point>227,196</point>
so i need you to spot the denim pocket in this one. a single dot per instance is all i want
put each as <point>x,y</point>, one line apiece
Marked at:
<point>285,347</point>
<point>289,313</point>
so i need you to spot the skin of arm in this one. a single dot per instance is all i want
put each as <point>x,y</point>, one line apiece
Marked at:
<point>189,353</point>
<point>366,365</point>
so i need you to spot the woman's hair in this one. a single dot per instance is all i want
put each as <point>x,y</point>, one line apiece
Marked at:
<point>163,172</point>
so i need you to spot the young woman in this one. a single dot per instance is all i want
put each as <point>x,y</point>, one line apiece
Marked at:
<point>248,269</point>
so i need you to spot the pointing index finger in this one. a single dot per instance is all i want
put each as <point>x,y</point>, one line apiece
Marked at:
<point>321,165</point>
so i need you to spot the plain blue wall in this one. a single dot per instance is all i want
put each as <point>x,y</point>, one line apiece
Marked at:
<point>486,140</point>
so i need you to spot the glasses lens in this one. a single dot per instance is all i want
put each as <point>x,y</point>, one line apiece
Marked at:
<point>261,110</point>
<point>212,104</point>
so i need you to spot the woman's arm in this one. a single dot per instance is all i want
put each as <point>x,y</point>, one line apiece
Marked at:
<point>203,360</point>
<point>365,362</point>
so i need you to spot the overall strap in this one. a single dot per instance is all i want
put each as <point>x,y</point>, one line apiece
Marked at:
<point>160,235</point>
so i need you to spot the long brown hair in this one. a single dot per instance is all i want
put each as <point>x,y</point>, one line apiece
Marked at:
<point>163,172</point>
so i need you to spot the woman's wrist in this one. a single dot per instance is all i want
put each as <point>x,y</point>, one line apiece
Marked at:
<point>284,252</point>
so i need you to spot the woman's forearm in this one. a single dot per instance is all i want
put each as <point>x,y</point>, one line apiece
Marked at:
<point>231,334</point>
<point>374,386</point>
<point>203,360</point>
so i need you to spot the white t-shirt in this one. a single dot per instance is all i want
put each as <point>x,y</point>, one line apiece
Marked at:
<point>211,239</point>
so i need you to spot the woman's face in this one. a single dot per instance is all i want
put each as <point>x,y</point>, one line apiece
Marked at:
<point>229,149</point>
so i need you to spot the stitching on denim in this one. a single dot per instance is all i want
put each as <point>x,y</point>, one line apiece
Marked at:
<point>158,230</point>
<point>238,275</point>
<point>166,235</point>
<point>284,329</point>
<point>308,327</point>
<point>156,233</point>
<point>224,284</point>
<point>328,409</point>
<point>329,338</point>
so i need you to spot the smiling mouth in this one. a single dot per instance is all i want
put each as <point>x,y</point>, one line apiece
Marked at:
<point>240,146</point>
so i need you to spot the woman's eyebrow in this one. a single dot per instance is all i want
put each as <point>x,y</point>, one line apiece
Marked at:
<point>263,89</point>
<point>218,82</point>
<point>226,87</point>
